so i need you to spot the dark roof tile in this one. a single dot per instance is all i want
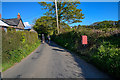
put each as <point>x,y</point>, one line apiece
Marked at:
<point>11,22</point>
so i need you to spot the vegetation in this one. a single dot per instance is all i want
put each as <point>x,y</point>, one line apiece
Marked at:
<point>100,25</point>
<point>0,50</point>
<point>103,49</point>
<point>106,24</point>
<point>16,46</point>
<point>67,12</point>
<point>45,25</point>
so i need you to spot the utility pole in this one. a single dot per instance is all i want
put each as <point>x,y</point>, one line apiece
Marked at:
<point>57,16</point>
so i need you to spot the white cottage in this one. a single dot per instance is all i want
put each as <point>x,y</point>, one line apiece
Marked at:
<point>3,25</point>
<point>15,23</point>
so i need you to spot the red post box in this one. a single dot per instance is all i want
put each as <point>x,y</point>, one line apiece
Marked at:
<point>84,39</point>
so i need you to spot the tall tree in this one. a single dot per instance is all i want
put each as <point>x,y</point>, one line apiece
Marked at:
<point>65,27</point>
<point>67,11</point>
<point>45,25</point>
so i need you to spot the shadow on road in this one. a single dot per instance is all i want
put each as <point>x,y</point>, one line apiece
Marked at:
<point>52,44</point>
<point>58,50</point>
<point>88,71</point>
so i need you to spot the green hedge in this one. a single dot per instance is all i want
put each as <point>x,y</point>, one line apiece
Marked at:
<point>103,49</point>
<point>16,46</point>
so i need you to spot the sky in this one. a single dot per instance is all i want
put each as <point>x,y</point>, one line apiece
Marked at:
<point>60,0</point>
<point>93,11</point>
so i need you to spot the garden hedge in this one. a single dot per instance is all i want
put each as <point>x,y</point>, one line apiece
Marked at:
<point>16,46</point>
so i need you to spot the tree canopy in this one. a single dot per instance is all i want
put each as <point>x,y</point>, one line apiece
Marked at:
<point>45,25</point>
<point>67,11</point>
<point>106,24</point>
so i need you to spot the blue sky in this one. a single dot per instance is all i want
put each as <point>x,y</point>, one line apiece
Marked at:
<point>94,11</point>
<point>59,0</point>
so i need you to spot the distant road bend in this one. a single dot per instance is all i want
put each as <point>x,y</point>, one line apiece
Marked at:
<point>52,61</point>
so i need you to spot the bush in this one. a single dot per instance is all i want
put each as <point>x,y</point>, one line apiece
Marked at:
<point>109,57</point>
<point>103,48</point>
<point>16,46</point>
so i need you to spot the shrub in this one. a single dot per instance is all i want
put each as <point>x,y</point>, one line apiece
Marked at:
<point>103,48</point>
<point>109,57</point>
<point>17,45</point>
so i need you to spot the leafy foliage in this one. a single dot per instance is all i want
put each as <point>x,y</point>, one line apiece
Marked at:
<point>67,12</point>
<point>106,24</point>
<point>108,56</point>
<point>45,25</point>
<point>103,47</point>
<point>16,46</point>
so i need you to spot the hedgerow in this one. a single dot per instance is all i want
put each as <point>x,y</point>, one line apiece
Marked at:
<point>103,49</point>
<point>16,46</point>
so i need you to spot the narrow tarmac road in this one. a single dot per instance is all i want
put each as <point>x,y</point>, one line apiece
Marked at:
<point>52,61</point>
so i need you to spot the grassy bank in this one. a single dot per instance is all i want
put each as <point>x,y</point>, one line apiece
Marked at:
<point>16,46</point>
<point>103,49</point>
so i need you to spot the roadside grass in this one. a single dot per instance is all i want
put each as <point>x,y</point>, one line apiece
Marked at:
<point>25,51</point>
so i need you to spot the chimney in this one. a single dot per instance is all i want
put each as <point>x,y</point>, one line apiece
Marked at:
<point>18,16</point>
<point>0,16</point>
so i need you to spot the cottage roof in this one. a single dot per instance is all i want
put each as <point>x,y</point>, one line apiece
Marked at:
<point>11,22</point>
<point>3,24</point>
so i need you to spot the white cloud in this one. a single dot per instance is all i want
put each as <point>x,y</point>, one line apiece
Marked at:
<point>27,24</point>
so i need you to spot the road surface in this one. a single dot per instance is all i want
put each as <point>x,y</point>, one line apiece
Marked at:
<point>52,61</point>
